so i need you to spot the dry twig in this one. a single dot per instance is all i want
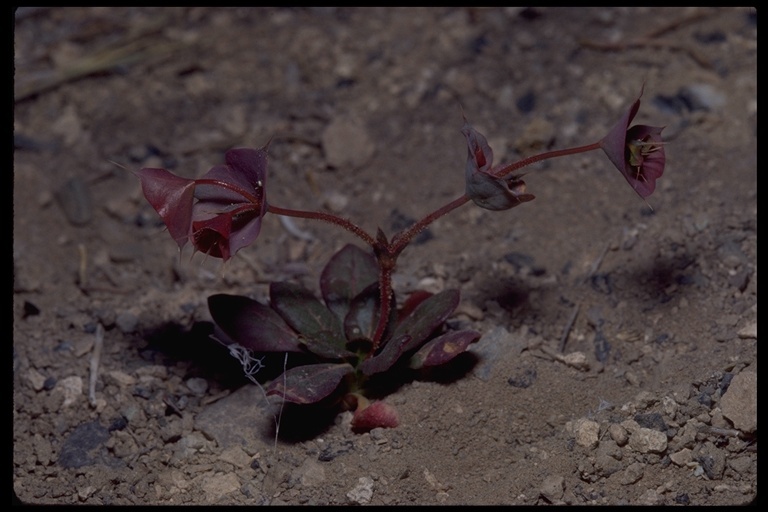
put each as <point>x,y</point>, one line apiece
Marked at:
<point>649,40</point>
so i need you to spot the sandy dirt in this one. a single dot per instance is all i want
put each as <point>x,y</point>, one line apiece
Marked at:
<point>618,363</point>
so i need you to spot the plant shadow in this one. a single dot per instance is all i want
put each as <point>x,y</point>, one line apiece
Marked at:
<point>171,343</point>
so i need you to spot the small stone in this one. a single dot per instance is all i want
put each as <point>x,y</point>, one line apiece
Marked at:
<point>632,378</point>
<point>739,403</point>
<point>632,473</point>
<point>43,450</point>
<point>712,460</point>
<point>619,434</point>
<point>72,388</point>
<point>470,310</point>
<point>649,497</point>
<point>152,371</point>
<point>118,378</point>
<point>552,488</point>
<point>81,446</point>
<point>586,432</point>
<point>85,492</point>
<point>748,331</point>
<point>682,457</point>
<point>718,420</point>
<point>74,197</point>
<point>126,322</point>
<point>236,456</point>
<point>702,96</point>
<point>336,202</point>
<point>362,492</point>
<point>35,379</point>
<point>646,440</point>
<point>197,385</point>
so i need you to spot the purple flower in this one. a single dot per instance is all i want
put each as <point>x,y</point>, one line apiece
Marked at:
<point>219,213</point>
<point>637,152</point>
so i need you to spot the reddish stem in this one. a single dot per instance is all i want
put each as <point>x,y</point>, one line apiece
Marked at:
<point>506,169</point>
<point>387,253</point>
<point>402,239</point>
<point>327,217</point>
<point>385,289</point>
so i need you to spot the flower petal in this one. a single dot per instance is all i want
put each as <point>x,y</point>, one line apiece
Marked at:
<point>637,152</point>
<point>614,144</point>
<point>172,197</point>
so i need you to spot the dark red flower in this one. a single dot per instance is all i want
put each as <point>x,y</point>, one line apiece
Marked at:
<point>482,186</point>
<point>219,213</point>
<point>637,152</point>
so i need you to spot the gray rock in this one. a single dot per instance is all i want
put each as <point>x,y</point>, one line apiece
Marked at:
<point>739,403</point>
<point>362,492</point>
<point>552,488</point>
<point>241,419</point>
<point>586,432</point>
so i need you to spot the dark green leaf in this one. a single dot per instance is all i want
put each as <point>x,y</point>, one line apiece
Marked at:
<point>363,316</point>
<point>252,324</point>
<point>387,357</point>
<point>320,329</point>
<point>309,384</point>
<point>443,348</point>
<point>300,308</point>
<point>427,317</point>
<point>327,345</point>
<point>347,274</point>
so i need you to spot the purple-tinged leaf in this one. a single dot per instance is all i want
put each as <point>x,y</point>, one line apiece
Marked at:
<point>347,274</point>
<point>388,356</point>
<point>172,197</point>
<point>363,316</point>
<point>414,299</point>
<point>428,316</point>
<point>443,348</point>
<point>319,328</point>
<point>310,383</point>
<point>252,325</point>
<point>327,345</point>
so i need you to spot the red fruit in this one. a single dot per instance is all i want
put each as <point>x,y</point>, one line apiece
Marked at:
<point>378,414</point>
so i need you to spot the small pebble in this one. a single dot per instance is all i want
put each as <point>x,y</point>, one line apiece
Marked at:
<point>36,379</point>
<point>739,403</point>
<point>552,488</point>
<point>197,385</point>
<point>619,434</point>
<point>362,493</point>
<point>72,388</point>
<point>74,197</point>
<point>126,322</point>
<point>586,432</point>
